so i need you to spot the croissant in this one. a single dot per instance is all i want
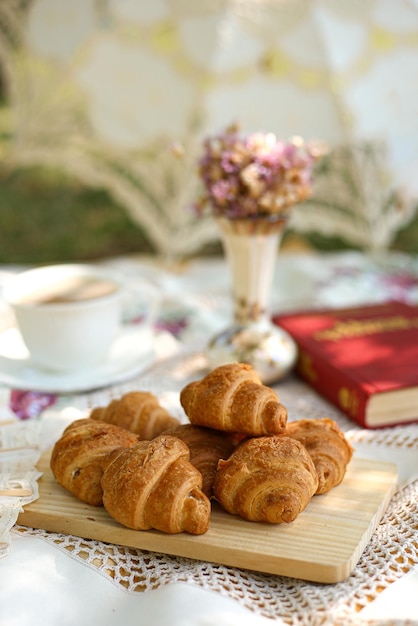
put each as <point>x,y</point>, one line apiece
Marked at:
<point>154,485</point>
<point>327,446</point>
<point>266,479</point>
<point>76,458</point>
<point>206,447</point>
<point>139,412</point>
<point>232,398</point>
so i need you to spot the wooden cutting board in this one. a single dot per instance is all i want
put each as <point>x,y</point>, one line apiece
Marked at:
<point>323,544</point>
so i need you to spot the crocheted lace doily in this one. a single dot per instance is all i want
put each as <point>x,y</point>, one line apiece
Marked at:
<point>391,552</point>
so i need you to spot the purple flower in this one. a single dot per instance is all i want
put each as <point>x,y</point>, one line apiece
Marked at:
<point>223,190</point>
<point>228,165</point>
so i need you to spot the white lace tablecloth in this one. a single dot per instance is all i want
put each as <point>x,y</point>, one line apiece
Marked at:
<point>52,578</point>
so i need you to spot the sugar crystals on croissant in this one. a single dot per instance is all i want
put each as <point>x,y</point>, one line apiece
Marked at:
<point>156,486</point>
<point>232,398</point>
<point>266,479</point>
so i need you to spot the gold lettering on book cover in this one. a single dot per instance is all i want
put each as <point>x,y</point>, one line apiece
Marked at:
<point>306,367</point>
<point>348,400</point>
<point>360,328</point>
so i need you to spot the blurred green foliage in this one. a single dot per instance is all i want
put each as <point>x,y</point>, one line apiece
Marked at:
<point>45,217</point>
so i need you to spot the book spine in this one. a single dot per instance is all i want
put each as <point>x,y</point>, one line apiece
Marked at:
<point>334,385</point>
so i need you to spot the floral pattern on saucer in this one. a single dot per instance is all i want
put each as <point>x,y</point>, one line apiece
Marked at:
<point>30,404</point>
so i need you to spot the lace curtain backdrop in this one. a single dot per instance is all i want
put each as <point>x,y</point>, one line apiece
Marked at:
<point>120,93</point>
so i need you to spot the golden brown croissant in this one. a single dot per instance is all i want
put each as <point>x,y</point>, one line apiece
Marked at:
<point>154,485</point>
<point>139,412</point>
<point>76,459</point>
<point>266,479</point>
<point>232,398</point>
<point>327,446</point>
<point>206,447</point>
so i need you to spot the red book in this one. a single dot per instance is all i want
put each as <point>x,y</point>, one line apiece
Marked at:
<point>364,360</point>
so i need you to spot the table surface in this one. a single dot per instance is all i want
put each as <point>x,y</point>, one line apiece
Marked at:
<point>42,572</point>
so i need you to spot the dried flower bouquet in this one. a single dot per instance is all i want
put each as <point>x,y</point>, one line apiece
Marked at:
<point>254,176</point>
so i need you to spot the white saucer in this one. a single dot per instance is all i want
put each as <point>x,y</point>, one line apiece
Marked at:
<point>131,353</point>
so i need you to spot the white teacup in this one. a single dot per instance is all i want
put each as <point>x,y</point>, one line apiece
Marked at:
<point>68,315</point>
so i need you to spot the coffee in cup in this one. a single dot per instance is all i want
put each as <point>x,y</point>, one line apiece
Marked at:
<point>68,315</point>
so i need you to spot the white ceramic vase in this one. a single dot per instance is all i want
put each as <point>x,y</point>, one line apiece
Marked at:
<point>251,246</point>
